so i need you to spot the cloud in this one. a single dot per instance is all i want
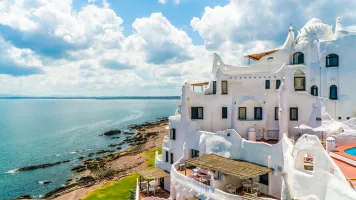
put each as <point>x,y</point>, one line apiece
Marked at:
<point>115,65</point>
<point>162,42</point>
<point>51,29</point>
<point>162,1</point>
<point>222,27</point>
<point>13,66</point>
<point>165,1</point>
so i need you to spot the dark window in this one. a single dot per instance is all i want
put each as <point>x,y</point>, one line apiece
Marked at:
<point>293,114</point>
<point>299,83</point>
<point>214,87</point>
<point>197,112</point>
<point>258,113</point>
<point>172,161</point>
<point>278,84</point>
<point>264,179</point>
<point>268,84</point>
<point>314,90</point>
<point>276,111</point>
<point>333,92</point>
<point>298,58</point>
<point>347,118</point>
<point>223,87</point>
<point>173,134</point>
<point>224,112</point>
<point>332,60</point>
<point>166,156</point>
<point>340,118</point>
<point>195,153</point>
<point>242,112</point>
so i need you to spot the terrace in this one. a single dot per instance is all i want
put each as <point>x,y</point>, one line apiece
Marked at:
<point>234,177</point>
<point>150,185</point>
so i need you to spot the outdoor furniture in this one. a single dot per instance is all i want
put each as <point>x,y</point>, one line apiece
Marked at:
<point>230,189</point>
<point>246,186</point>
<point>256,188</point>
<point>181,167</point>
<point>207,178</point>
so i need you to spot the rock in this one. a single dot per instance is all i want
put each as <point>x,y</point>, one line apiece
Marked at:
<point>115,137</point>
<point>111,132</point>
<point>45,182</point>
<point>128,133</point>
<point>33,167</point>
<point>119,148</point>
<point>104,151</point>
<point>81,158</point>
<point>84,181</point>
<point>90,155</point>
<point>114,145</point>
<point>78,168</point>
<point>25,196</point>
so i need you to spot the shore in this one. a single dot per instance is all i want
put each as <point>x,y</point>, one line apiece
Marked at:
<point>94,173</point>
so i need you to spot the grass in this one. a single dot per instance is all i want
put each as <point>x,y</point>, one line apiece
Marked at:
<point>120,190</point>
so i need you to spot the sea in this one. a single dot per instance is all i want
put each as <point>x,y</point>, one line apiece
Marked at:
<point>36,131</point>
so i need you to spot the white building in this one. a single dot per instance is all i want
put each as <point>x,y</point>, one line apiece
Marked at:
<point>282,89</point>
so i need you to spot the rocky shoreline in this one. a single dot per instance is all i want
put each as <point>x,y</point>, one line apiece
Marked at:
<point>92,171</point>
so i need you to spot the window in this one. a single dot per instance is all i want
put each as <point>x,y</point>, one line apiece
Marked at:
<point>332,60</point>
<point>314,90</point>
<point>258,113</point>
<point>293,114</point>
<point>242,112</point>
<point>264,179</point>
<point>276,111</point>
<point>278,83</point>
<point>166,156</point>
<point>224,112</point>
<point>268,84</point>
<point>172,161</point>
<point>195,153</point>
<point>223,87</point>
<point>298,58</point>
<point>197,113</point>
<point>333,92</point>
<point>299,83</point>
<point>214,87</point>
<point>173,133</point>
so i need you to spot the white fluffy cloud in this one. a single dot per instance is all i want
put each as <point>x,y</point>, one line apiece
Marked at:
<point>162,42</point>
<point>224,27</point>
<point>49,48</point>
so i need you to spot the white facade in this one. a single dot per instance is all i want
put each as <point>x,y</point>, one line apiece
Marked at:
<point>308,81</point>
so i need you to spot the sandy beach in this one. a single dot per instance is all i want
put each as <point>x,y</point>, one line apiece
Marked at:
<point>116,165</point>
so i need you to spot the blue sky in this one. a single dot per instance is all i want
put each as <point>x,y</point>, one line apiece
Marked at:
<point>140,47</point>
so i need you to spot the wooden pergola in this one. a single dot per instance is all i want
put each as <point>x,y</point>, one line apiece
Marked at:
<point>200,84</point>
<point>258,56</point>
<point>240,169</point>
<point>151,174</point>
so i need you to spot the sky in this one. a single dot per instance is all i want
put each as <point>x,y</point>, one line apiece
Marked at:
<point>140,47</point>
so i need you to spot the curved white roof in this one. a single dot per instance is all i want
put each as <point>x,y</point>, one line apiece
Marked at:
<point>315,29</point>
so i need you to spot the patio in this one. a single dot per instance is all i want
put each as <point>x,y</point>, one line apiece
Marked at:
<point>150,183</point>
<point>231,176</point>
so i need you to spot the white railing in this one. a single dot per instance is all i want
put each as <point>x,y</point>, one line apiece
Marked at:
<point>199,187</point>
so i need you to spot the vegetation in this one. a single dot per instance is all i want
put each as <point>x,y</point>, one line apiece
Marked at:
<point>122,189</point>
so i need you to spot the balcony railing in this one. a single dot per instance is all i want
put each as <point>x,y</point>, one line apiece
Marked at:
<point>198,187</point>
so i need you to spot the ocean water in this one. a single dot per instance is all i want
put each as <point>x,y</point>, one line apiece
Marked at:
<point>35,131</point>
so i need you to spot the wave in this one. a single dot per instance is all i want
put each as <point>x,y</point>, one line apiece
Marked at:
<point>13,171</point>
<point>135,115</point>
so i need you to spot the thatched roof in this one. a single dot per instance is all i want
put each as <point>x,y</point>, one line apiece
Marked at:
<point>239,169</point>
<point>153,173</point>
